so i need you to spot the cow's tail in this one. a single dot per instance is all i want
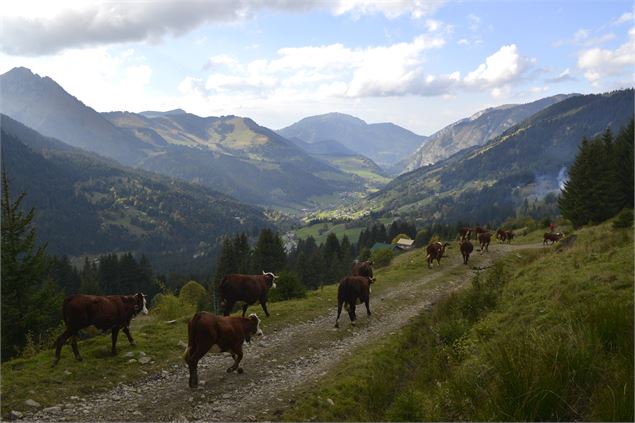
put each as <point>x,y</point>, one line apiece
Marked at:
<point>191,340</point>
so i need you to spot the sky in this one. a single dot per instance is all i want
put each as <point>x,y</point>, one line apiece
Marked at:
<point>419,64</point>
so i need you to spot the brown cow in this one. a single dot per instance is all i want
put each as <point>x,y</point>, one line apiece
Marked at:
<point>112,312</point>
<point>353,290</point>
<point>362,268</point>
<point>464,233</point>
<point>552,237</point>
<point>510,236</point>
<point>466,248</point>
<point>484,239</point>
<point>207,331</point>
<point>501,235</point>
<point>435,252</point>
<point>246,288</point>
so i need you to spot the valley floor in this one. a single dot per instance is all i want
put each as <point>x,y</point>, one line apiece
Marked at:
<point>281,365</point>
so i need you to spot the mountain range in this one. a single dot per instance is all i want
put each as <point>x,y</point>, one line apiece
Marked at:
<point>230,154</point>
<point>490,182</point>
<point>86,204</point>
<point>476,130</point>
<point>385,143</point>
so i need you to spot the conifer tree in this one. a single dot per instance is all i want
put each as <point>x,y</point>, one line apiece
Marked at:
<point>30,302</point>
<point>269,254</point>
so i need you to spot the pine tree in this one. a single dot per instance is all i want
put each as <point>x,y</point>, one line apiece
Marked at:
<point>573,202</point>
<point>30,302</point>
<point>623,151</point>
<point>269,255</point>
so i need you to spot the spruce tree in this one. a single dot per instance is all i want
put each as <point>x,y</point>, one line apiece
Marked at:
<point>623,151</point>
<point>269,254</point>
<point>30,301</point>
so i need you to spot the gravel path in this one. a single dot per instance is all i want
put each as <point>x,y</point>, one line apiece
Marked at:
<point>277,366</point>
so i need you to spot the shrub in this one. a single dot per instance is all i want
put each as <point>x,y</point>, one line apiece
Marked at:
<point>169,307</point>
<point>624,219</point>
<point>422,238</point>
<point>381,257</point>
<point>288,286</point>
<point>364,255</point>
<point>191,293</point>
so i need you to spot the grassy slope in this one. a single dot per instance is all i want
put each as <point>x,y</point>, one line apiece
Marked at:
<point>546,336</point>
<point>32,377</point>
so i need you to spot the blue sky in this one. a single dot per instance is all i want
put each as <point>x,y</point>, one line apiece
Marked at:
<point>419,64</point>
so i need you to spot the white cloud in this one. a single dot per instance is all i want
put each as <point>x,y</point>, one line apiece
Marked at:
<point>601,64</point>
<point>396,69</point>
<point>624,18</point>
<point>32,27</point>
<point>502,67</point>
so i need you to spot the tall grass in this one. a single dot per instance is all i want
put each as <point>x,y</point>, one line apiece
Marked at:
<point>541,335</point>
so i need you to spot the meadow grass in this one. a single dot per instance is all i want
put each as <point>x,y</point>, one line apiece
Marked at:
<point>544,334</point>
<point>33,378</point>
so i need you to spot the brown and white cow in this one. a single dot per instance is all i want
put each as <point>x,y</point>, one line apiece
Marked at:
<point>552,237</point>
<point>434,252</point>
<point>464,233</point>
<point>501,235</point>
<point>484,239</point>
<point>112,312</point>
<point>353,290</point>
<point>466,248</point>
<point>248,289</point>
<point>362,268</point>
<point>208,332</point>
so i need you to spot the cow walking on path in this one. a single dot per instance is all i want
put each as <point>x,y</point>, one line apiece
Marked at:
<point>249,289</point>
<point>484,239</point>
<point>208,332</point>
<point>353,290</point>
<point>434,252</point>
<point>466,248</point>
<point>552,237</point>
<point>112,312</point>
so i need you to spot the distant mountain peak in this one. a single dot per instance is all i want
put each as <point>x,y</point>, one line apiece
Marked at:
<point>153,113</point>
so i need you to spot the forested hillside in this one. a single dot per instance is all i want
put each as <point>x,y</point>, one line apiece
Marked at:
<point>512,171</point>
<point>88,205</point>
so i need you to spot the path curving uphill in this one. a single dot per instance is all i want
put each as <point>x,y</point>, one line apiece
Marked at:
<point>277,366</point>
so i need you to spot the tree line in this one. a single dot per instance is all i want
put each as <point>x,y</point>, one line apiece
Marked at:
<point>600,179</point>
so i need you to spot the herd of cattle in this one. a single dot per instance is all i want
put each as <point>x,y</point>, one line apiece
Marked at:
<point>209,332</point>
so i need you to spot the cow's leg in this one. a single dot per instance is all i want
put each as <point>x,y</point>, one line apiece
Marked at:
<point>78,357</point>
<point>351,312</point>
<point>264,307</point>
<point>237,355</point>
<point>339,311</point>
<point>115,332</point>
<point>229,305</point>
<point>245,309</point>
<point>126,330</point>
<point>367,303</point>
<point>193,356</point>
<point>58,345</point>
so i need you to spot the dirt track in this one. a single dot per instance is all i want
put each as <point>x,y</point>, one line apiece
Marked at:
<point>277,366</point>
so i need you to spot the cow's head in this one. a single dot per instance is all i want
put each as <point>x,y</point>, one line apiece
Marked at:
<point>140,303</point>
<point>256,325</point>
<point>270,278</point>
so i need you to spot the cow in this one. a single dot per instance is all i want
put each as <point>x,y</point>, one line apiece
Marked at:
<point>464,233</point>
<point>362,268</point>
<point>501,235</point>
<point>477,231</point>
<point>484,239</point>
<point>466,248</point>
<point>246,288</point>
<point>206,332</point>
<point>112,312</point>
<point>510,236</point>
<point>552,237</point>
<point>435,252</point>
<point>353,290</point>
